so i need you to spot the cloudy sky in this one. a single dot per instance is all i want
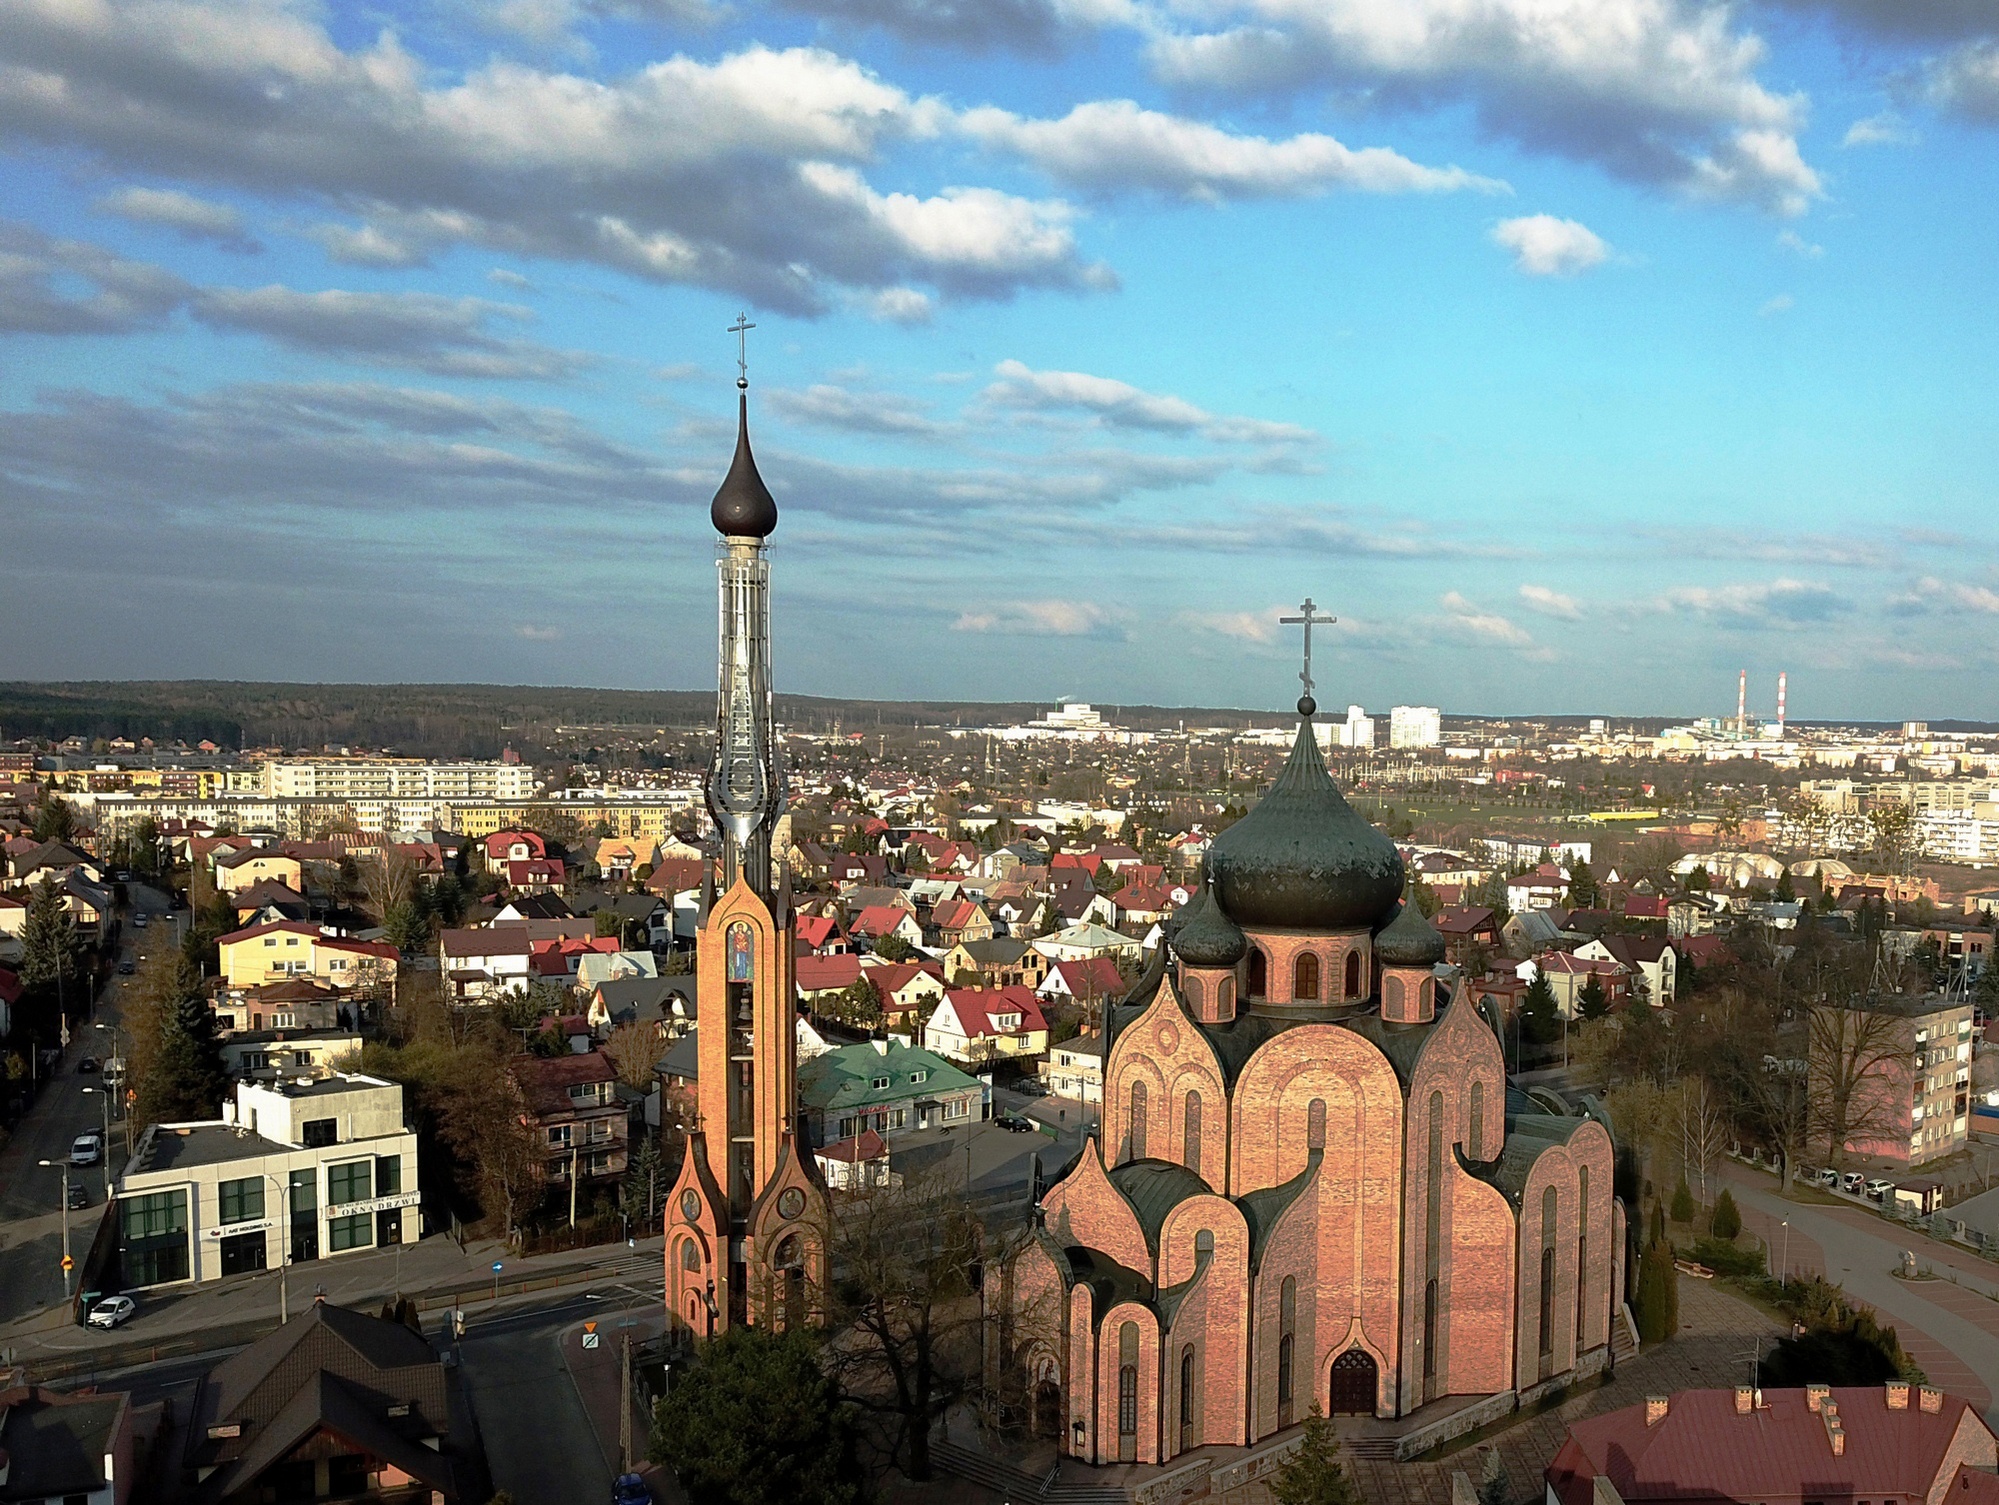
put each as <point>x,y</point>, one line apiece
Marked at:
<point>1574,352</point>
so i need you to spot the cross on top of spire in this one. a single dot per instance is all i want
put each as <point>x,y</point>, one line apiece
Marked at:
<point>740,329</point>
<point>1308,617</point>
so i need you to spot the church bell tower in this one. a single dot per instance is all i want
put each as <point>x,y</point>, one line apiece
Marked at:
<point>746,1222</point>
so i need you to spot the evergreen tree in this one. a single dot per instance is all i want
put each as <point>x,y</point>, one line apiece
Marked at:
<point>757,1422</point>
<point>1787,890</point>
<point>1986,993</point>
<point>55,819</point>
<point>1583,891</point>
<point>1656,1233</point>
<point>1538,1021</point>
<point>48,944</point>
<point>1658,1295</point>
<point>1592,1000</point>
<point>1683,1202</point>
<point>192,1081</point>
<point>1312,1475</point>
<point>1727,1217</point>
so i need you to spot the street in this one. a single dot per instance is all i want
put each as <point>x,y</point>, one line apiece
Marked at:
<point>31,1194</point>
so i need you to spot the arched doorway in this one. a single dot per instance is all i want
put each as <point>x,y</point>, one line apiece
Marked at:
<point>790,1263</point>
<point>1355,1384</point>
<point>1047,1409</point>
<point>1259,973</point>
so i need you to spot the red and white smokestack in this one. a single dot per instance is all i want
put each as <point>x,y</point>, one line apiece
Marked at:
<point>1780,705</point>
<point>1742,703</point>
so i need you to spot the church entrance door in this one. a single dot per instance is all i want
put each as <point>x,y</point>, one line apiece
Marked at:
<point>1356,1382</point>
<point>1047,1409</point>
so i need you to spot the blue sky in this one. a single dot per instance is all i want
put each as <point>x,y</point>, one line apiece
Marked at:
<point>1574,352</point>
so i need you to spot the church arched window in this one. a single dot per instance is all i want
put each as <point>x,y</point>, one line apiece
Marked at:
<point>1259,973</point>
<point>1582,1252</point>
<point>1187,1433</point>
<point>1127,1389</point>
<point>1548,1206</point>
<point>690,1254</point>
<point>1305,976</point>
<point>1475,1140</point>
<point>1225,999</point>
<point>1287,1348</point>
<point>1315,1125</point>
<point>1204,1247</point>
<point>1190,993</point>
<point>1353,974</point>
<point>1190,1153</point>
<point>1391,995</point>
<point>1137,1132</point>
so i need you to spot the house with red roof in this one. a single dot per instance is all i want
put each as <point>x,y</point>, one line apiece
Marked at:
<point>1088,862</point>
<point>1143,903</point>
<point>1569,974</point>
<point>1650,959</point>
<point>1091,981</point>
<point>956,921</point>
<point>908,990</point>
<point>820,977</point>
<point>984,1024</point>
<point>292,948</point>
<point>878,920</point>
<point>536,875</point>
<point>1703,950</point>
<point>503,847</point>
<point>571,1102</point>
<point>1464,927</point>
<point>1895,1443</point>
<point>1645,906</point>
<point>820,935</point>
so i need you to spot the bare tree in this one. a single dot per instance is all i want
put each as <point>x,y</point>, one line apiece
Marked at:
<point>1701,1120</point>
<point>633,1049</point>
<point>388,880</point>
<point>1854,1052</point>
<point>1894,830</point>
<point>910,1344</point>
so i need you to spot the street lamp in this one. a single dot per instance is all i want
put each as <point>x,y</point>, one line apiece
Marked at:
<point>105,1094</point>
<point>68,1264</point>
<point>1784,1262</point>
<point>282,1219</point>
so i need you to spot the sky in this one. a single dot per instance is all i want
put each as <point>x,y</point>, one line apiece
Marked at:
<point>1575,354</point>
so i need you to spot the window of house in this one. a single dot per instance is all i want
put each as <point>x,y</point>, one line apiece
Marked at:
<point>919,1076</point>
<point>879,1084</point>
<point>898,1119</point>
<point>354,1232</point>
<point>317,1133</point>
<point>154,1243</point>
<point>351,1182</point>
<point>270,940</point>
<point>559,1135</point>
<point>388,1175</point>
<point>240,1201</point>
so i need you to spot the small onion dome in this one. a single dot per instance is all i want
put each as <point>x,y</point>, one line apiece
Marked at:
<point>743,506</point>
<point>1409,940</point>
<point>1303,859</point>
<point>1207,937</point>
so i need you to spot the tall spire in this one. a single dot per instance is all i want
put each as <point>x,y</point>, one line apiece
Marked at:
<point>746,780</point>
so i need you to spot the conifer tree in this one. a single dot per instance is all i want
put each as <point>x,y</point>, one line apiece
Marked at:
<point>1727,1216</point>
<point>1312,1475</point>
<point>1683,1202</point>
<point>48,943</point>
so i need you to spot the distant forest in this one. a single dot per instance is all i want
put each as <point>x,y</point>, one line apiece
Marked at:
<point>477,721</point>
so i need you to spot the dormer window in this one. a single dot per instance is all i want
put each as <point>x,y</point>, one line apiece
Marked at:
<point>919,1076</point>
<point>879,1084</point>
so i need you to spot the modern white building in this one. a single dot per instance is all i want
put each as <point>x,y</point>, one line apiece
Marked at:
<point>293,1171</point>
<point>1415,726</point>
<point>395,779</point>
<point>1357,730</point>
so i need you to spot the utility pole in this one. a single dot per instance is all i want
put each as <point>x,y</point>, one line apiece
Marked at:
<point>68,1264</point>
<point>572,1185</point>
<point>625,1405</point>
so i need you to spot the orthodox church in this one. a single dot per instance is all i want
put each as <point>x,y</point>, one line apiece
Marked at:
<point>1312,1182</point>
<point>747,1219</point>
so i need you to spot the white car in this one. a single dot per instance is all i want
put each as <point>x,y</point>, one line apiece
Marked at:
<point>111,1311</point>
<point>1851,1182</point>
<point>1827,1177</point>
<point>1878,1190</point>
<point>86,1149</point>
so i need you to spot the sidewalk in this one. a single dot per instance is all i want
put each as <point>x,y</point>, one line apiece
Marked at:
<point>435,1273</point>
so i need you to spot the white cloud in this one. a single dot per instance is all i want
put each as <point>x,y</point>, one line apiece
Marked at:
<point>1660,92</point>
<point>1108,146</point>
<point>537,634</point>
<point>1488,626</point>
<point>1544,246</point>
<point>1884,129</point>
<point>1118,404</point>
<point>1967,81</point>
<point>1779,603</point>
<point>838,407</point>
<point>1062,619</point>
<point>1782,303</point>
<point>1790,240</point>
<point>1551,603</point>
<point>368,246</point>
<point>1243,626</point>
<point>899,305</point>
<point>188,216</point>
<point>504,278</point>
<point>1931,594</point>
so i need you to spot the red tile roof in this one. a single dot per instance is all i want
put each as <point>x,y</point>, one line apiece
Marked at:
<point>879,919</point>
<point>1702,1449</point>
<point>817,930</point>
<point>820,974</point>
<point>1465,920</point>
<point>976,1006</point>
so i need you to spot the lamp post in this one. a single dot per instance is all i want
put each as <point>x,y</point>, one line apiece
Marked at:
<point>284,1247</point>
<point>68,1264</point>
<point>1784,1261</point>
<point>105,1094</point>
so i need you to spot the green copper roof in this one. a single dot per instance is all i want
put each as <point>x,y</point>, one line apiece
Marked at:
<point>1409,940</point>
<point>1206,937</point>
<point>845,1078</point>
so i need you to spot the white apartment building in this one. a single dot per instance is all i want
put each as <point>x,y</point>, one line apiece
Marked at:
<point>293,1171</point>
<point>395,779</point>
<point>1421,726</point>
<point>1967,836</point>
<point>1357,730</point>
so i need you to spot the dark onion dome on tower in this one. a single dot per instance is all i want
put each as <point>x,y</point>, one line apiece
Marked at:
<point>1409,940</point>
<point>1303,859</point>
<point>743,506</point>
<point>1206,937</point>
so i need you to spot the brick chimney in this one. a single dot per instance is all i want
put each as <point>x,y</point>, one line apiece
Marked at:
<point>1815,1397</point>
<point>1655,1409</point>
<point>1745,1399</point>
<point>1898,1395</point>
<point>1930,1400</point>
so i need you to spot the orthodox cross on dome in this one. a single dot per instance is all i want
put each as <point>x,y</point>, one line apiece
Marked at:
<point>1306,704</point>
<point>740,329</point>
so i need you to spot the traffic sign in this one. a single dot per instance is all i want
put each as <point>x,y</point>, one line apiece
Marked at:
<point>592,1340</point>
<point>496,1267</point>
<point>68,1264</point>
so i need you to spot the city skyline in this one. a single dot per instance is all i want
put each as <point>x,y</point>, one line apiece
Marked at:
<point>1572,366</point>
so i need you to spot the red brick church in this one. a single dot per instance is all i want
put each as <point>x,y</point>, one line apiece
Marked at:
<point>1313,1182</point>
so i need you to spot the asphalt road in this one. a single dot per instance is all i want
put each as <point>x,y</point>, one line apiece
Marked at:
<point>31,1195</point>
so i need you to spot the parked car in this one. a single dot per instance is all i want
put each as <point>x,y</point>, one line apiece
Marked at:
<point>1879,1189</point>
<point>79,1195</point>
<point>126,969</point>
<point>1827,1177</point>
<point>1013,1123</point>
<point>1030,1086</point>
<point>87,1148</point>
<point>111,1311</point>
<point>1852,1181</point>
<point>86,1064</point>
<point>630,1489</point>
